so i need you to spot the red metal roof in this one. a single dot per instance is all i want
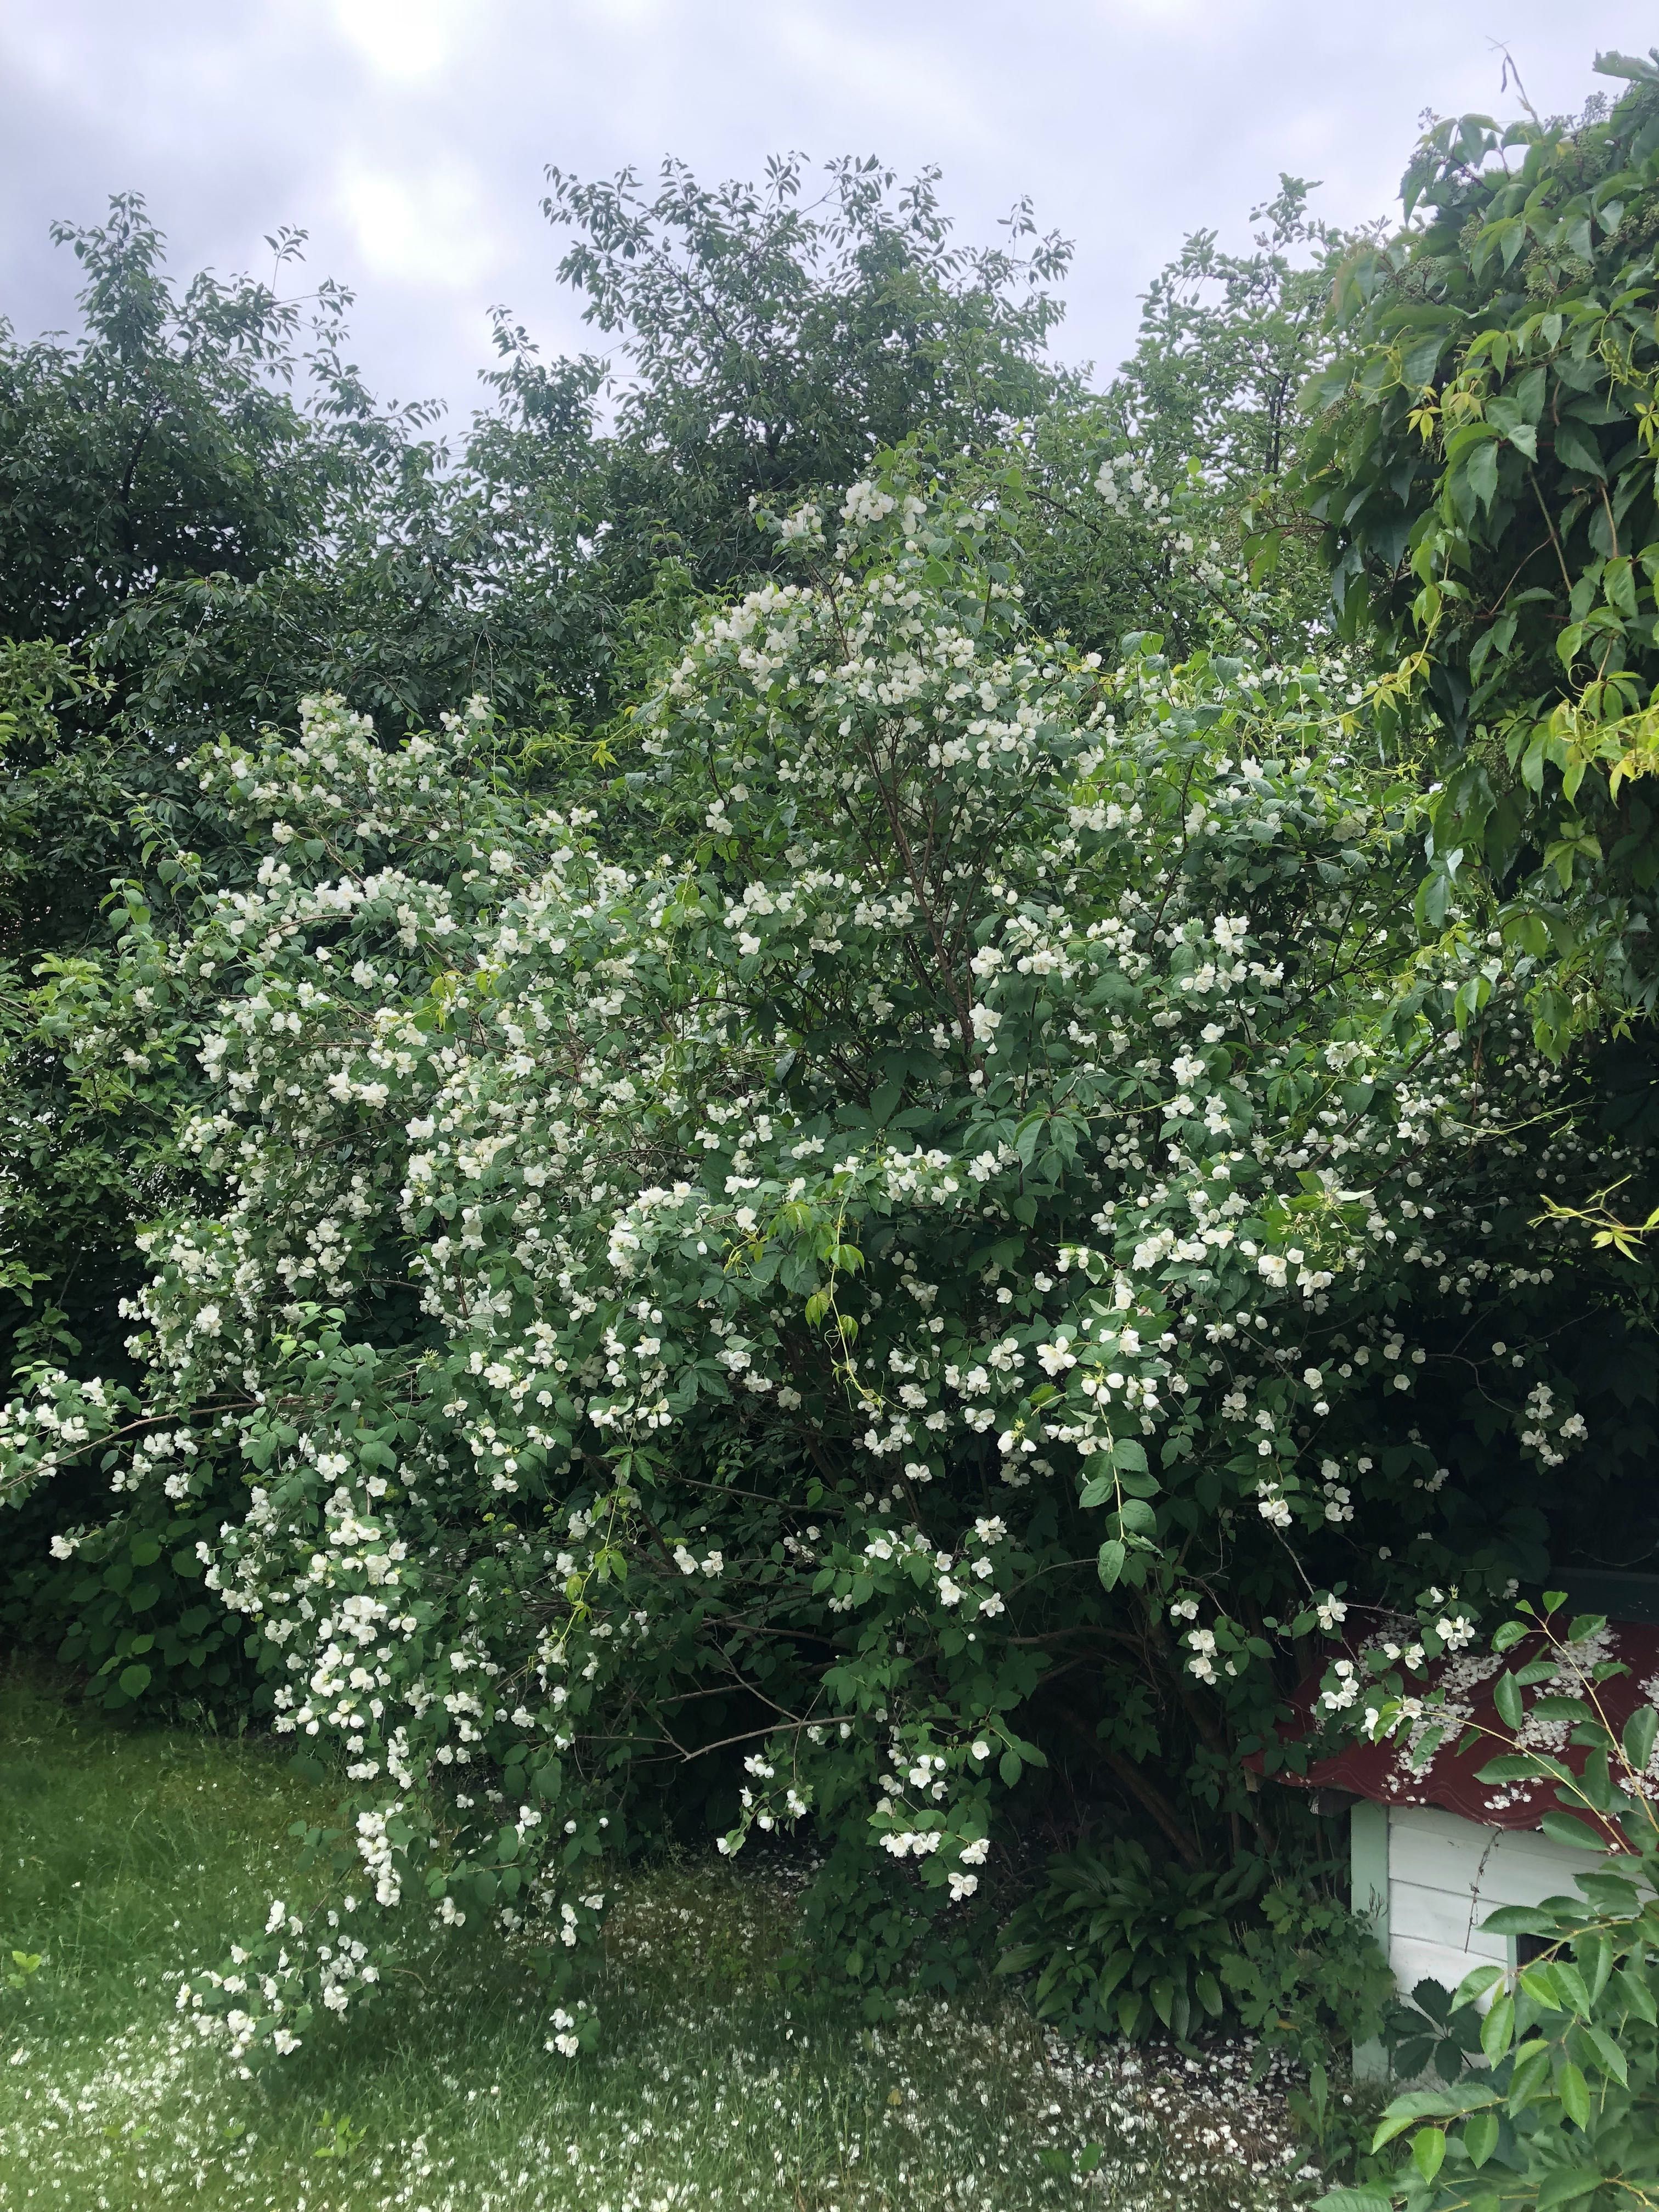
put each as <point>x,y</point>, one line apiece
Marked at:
<point>1386,1773</point>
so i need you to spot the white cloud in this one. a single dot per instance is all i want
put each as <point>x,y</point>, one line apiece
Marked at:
<point>887,71</point>
<point>425,223</point>
<point>405,41</point>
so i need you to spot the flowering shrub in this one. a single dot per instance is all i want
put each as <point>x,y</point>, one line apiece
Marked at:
<point>733,1325</point>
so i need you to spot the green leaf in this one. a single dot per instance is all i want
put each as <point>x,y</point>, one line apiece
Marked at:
<point>1430,2104</point>
<point>134,1681</point>
<point>1429,2151</point>
<point>1575,448</point>
<point>1475,1984</point>
<point>1507,1698</point>
<point>1609,2056</point>
<point>1008,1768</point>
<point>1567,1828</point>
<point>1417,368</point>
<point>1481,470</point>
<point>1532,2067</point>
<point>1113,1554</point>
<point>1430,904</point>
<point>1521,1921</point>
<point>1538,1983</point>
<point>1566,2187</point>
<point>1503,412</point>
<point>1480,2136</point>
<point>1575,2094</point>
<point>1640,1730</point>
<point>1506,414</point>
<point>1496,2028</point>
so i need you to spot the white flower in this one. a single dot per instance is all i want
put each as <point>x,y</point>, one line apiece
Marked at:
<point>866,502</point>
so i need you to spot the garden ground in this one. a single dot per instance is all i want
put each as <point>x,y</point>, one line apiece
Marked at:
<point>128,1856</point>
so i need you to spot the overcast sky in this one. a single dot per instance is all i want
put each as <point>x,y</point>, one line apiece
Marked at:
<point>410,136</point>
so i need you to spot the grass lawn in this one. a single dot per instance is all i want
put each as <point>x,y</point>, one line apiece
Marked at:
<point>128,1856</point>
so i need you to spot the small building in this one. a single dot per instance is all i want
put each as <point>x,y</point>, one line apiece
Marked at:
<point>1434,1850</point>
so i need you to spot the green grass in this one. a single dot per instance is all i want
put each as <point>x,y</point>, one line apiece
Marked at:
<point>128,1856</point>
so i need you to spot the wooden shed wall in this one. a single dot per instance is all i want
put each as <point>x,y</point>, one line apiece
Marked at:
<point>1445,1874</point>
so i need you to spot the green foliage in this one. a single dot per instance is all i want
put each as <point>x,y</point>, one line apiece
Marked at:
<point>245,527</point>
<point>1307,1978</point>
<point>1561,2105</point>
<point>21,1970</point>
<point>55,824</point>
<point>1160,503</point>
<point>198,494</point>
<point>1485,469</point>
<point>1120,1948</point>
<point>1228,341</point>
<point>1432,2031</point>
<point>165,443</point>
<point>202,516</point>
<point>205,518</point>
<point>774,344</point>
<point>339,2137</point>
<point>1553,2091</point>
<point>126,1609</point>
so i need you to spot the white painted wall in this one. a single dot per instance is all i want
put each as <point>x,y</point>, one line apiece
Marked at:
<point>1446,1874</point>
